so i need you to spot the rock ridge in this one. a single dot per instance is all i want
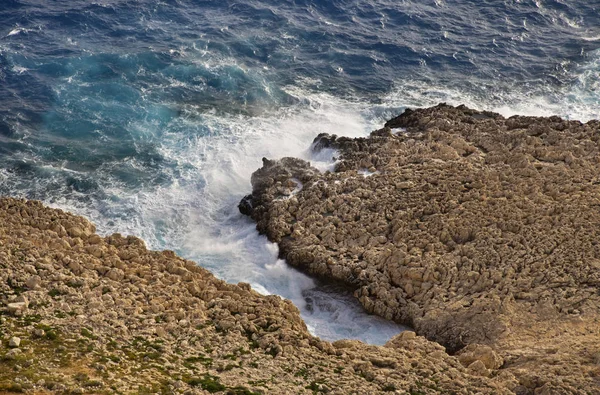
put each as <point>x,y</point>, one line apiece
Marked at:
<point>479,231</point>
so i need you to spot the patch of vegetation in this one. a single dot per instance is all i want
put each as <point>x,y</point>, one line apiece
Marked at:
<point>206,361</point>
<point>93,383</point>
<point>60,314</point>
<point>112,345</point>
<point>227,367</point>
<point>109,357</point>
<point>16,287</point>
<point>208,383</point>
<point>254,344</point>
<point>85,381</point>
<point>85,332</point>
<point>154,355</point>
<point>74,284</point>
<point>141,343</point>
<point>315,386</point>
<point>50,333</point>
<point>143,349</point>
<point>81,377</point>
<point>273,352</point>
<point>159,388</point>
<point>242,351</point>
<point>11,387</point>
<point>241,391</point>
<point>30,319</point>
<point>56,293</point>
<point>302,373</point>
<point>259,383</point>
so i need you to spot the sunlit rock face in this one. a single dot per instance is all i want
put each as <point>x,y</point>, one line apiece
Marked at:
<point>471,227</point>
<point>75,302</point>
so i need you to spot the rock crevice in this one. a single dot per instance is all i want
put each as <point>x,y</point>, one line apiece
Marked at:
<point>80,313</point>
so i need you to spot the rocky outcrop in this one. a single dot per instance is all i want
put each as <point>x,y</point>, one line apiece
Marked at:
<point>480,232</point>
<point>80,313</point>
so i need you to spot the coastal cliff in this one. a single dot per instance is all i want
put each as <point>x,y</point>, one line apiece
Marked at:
<point>80,313</point>
<point>479,231</point>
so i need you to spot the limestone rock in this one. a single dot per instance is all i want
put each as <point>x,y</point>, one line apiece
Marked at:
<point>17,308</point>
<point>111,316</point>
<point>115,274</point>
<point>14,342</point>
<point>478,352</point>
<point>33,282</point>
<point>475,229</point>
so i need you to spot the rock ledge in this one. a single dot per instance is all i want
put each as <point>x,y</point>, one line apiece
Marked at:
<point>480,232</point>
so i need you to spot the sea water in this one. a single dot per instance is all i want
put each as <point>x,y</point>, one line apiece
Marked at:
<point>149,117</point>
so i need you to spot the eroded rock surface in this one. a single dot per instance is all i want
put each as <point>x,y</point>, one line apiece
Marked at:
<point>80,313</point>
<point>478,231</point>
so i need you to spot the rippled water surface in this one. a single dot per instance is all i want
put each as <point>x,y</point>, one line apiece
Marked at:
<point>149,117</point>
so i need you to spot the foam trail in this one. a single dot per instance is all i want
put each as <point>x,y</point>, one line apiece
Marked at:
<point>227,243</point>
<point>196,214</point>
<point>254,258</point>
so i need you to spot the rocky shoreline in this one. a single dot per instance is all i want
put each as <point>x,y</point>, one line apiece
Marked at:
<point>479,231</point>
<point>80,313</point>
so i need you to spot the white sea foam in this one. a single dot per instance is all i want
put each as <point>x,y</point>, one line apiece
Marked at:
<point>227,242</point>
<point>593,38</point>
<point>16,31</point>
<point>324,159</point>
<point>19,69</point>
<point>297,189</point>
<point>367,173</point>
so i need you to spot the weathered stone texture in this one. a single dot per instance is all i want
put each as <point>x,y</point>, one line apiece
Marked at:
<point>476,230</point>
<point>80,313</point>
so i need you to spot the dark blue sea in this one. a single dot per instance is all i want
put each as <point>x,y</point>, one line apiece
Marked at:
<point>149,116</point>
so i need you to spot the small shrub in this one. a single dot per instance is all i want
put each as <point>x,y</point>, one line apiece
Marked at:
<point>208,383</point>
<point>302,373</point>
<point>55,293</point>
<point>241,391</point>
<point>199,359</point>
<point>87,333</point>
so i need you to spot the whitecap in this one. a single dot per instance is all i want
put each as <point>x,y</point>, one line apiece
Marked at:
<point>595,38</point>
<point>569,22</point>
<point>19,69</point>
<point>16,31</point>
